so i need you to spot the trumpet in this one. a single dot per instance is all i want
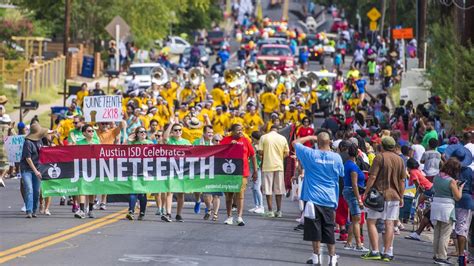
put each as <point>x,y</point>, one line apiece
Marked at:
<point>159,76</point>
<point>272,79</point>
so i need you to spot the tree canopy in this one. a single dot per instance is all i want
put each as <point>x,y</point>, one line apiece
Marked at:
<point>149,19</point>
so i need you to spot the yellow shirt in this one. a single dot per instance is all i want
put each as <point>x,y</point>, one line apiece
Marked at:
<point>182,114</point>
<point>236,120</point>
<point>220,123</point>
<point>207,112</point>
<point>353,73</point>
<point>192,134</point>
<point>354,102</point>
<point>270,102</point>
<point>186,95</point>
<point>274,147</point>
<point>163,111</point>
<point>218,95</point>
<point>80,97</point>
<point>234,97</point>
<point>285,102</point>
<point>387,72</point>
<point>252,123</point>
<point>280,89</point>
<point>291,116</point>
<point>64,127</point>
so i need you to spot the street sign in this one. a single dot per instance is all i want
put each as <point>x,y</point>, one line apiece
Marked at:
<point>373,26</point>
<point>405,33</point>
<point>374,14</point>
<point>124,28</point>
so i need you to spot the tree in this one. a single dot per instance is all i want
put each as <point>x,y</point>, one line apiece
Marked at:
<point>450,72</point>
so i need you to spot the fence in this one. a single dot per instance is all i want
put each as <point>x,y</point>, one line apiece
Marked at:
<point>43,75</point>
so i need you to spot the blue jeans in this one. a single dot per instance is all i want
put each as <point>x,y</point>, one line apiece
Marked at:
<point>257,193</point>
<point>32,189</point>
<point>133,201</point>
<point>352,201</point>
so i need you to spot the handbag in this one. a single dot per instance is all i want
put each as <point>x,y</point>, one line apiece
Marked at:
<point>375,200</point>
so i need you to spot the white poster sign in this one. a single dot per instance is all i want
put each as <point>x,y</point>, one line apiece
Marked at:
<point>13,146</point>
<point>105,108</point>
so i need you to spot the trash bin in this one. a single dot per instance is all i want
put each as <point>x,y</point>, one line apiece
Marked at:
<point>87,67</point>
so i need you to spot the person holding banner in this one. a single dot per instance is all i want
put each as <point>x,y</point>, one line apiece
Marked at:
<point>139,137</point>
<point>237,137</point>
<point>29,166</point>
<point>211,197</point>
<point>173,136</point>
<point>88,132</point>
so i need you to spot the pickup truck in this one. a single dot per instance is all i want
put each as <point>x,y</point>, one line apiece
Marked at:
<point>275,57</point>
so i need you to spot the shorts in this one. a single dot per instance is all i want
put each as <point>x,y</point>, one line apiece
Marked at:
<point>321,228</point>
<point>241,194</point>
<point>351,200</point>
<point>390,212</point>
<point>463,221</point>
<point>273,183</point>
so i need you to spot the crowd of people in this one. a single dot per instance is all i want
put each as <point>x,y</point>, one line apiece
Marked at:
<point>360,166</point>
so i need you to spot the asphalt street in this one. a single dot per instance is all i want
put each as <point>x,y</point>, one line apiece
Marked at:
<point>117,241</point>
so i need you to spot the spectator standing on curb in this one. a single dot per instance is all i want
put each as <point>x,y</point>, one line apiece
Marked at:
<point>320,191</point>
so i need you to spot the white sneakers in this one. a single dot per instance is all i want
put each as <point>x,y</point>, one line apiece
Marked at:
<point>258,210</point>
<point>229,221</point>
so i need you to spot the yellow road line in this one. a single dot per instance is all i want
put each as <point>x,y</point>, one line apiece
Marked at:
<point>59,237</point>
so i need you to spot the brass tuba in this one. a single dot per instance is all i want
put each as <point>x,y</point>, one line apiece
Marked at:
<point>314,79</point>
<point>303,84</point>
<point>195,77</point>
<point>159,75</point>
<point>234,77</point>
<point>272,79</point>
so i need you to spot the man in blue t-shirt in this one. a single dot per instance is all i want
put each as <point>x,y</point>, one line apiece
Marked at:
<point>320,191</point>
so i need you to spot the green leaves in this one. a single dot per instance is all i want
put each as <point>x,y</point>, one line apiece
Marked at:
<point>450,71</point>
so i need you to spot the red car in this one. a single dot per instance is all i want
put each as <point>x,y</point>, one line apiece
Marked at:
<point>339,25</point>
<point>275,57</point>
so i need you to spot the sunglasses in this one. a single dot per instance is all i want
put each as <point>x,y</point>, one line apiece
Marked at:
<point>141,132</point>
<point>216,140</point>
<point>75,123</point>
<point>89,131</point>
<point>177,130</point>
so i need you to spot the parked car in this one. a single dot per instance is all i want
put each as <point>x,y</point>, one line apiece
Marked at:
<point>175,43</point>
<point>275,57</point>
<point>185,59</point>
<point>143,73</point>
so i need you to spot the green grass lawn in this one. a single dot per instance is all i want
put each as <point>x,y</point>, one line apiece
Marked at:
<point>43,97</point>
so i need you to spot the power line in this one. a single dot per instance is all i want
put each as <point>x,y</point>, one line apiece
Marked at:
<point>453,2</point>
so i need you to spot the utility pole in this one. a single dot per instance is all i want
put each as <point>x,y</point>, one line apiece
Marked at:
<point>67,24</point>
<point>284,15</point>
<point>421,31</point>
<point>383,17</point>
<point>393,22</point>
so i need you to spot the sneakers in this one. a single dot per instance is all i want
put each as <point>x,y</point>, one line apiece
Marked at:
<point>80,214</point>
<point>361,249</point>
<point>414,236</point>
<point>91,215</point>
<point>387,258</point>
<point>23,209</point>
<point>166,218</point>
<point>229,221</point>
<point>240,221</point>
<point>158,211</point>
<point>141,216</point>
<point>207,215</point>
<point>299,227</point>
<point>442,262</point>
<point>179,218</point>
<point>253,209</point>
<point>269,214</point>
<point>260,210</point>
<point>2,183</point>
<point>371,256</point>
<point>62,202</point>
<point>130,216</point>
<point>278,214</point>
<point>315,259</point>
<point>34,215</point>
<point>348,246</point>
<point>47,212</point>
<point>197,207</point>
<point>103,206</point>
<point>29,216</point>
<point>396,231</point>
